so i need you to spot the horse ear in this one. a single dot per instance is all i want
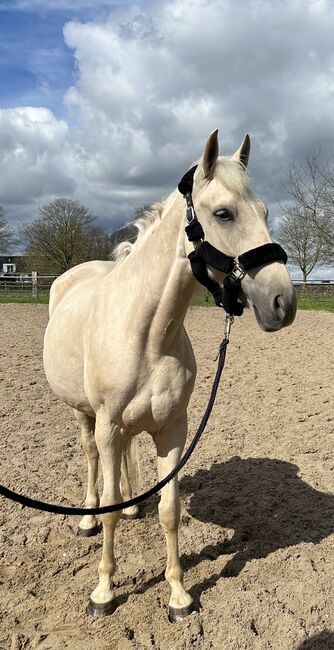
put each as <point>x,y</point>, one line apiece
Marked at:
<point>242,154</point>
<point>210,155</point>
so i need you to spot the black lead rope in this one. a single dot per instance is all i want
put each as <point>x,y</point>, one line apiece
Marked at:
<point>71,510</point>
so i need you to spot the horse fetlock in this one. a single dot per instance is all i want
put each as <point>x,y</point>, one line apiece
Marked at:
<point>104,593</point>
<point>179,598</point>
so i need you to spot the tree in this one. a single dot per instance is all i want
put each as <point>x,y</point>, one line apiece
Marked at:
<point>6,235</point>
<point>310,186</point>
<point>62,234</point>
<point>301,240</point>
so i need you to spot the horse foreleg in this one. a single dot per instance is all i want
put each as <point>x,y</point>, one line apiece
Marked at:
<point>89,525</point>
<point>109,441</point>
<point>169,445</point>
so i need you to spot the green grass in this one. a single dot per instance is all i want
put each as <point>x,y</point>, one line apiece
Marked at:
<point>23,297</point>
<point>314,301</point>
<point>320,302</point>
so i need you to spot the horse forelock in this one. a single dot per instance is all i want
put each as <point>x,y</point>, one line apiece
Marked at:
<point>233,175</point>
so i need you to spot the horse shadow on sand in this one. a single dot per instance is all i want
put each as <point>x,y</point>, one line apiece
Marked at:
<point>266,504</point>
<point>322,641</point>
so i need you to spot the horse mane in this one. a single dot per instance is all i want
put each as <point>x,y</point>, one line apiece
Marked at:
<point>230,172</point>
<point>145,224</point>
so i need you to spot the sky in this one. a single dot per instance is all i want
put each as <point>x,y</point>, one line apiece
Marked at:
<point>111,102</point>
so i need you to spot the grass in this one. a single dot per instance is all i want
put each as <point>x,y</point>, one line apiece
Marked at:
<point>23,297</point>
<point>313,301</point>
<point>322,302</point>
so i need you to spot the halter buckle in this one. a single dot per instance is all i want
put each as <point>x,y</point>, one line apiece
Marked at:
<point>238,272</point>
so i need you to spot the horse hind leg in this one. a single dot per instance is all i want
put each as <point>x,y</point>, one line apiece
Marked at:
<point>89,524</point>
<point>129,476</point>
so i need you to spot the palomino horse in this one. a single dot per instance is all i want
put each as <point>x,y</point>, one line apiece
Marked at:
<point>117,352</point>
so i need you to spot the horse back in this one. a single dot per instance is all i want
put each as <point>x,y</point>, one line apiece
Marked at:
<point>74,277</point>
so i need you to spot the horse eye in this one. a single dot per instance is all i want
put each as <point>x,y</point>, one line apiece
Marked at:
<point>224,214</point>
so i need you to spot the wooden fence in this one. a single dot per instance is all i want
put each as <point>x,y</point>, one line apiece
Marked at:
<point>40,284</point>
<point>26,282</point>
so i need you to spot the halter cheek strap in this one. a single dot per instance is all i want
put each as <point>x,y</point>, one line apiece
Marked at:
<point>204,254</point>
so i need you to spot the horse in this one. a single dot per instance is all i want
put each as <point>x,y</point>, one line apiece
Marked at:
<point>117,352</point>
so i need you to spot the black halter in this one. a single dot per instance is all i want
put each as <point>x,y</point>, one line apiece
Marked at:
<point>205,254</point>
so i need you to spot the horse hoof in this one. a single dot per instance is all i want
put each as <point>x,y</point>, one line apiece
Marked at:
<point>178,614</point>
<point>98,610</point>
<point>89,532</point>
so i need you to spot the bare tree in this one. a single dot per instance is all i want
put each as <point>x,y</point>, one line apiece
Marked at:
<point>100,244</point>
<point>301,240</point>
<point>310,186</point>
<point>7,238</point>
<point>62,234</point>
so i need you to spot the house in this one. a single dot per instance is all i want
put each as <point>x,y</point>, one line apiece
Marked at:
<point>8,265</point>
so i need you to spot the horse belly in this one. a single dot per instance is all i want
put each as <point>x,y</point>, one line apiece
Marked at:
<point>63,358</point>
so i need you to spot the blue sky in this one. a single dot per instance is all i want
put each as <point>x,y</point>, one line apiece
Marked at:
<point>27,42</point>
<point>110,102</point>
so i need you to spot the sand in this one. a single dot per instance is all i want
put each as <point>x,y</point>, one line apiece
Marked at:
<point>257,531</point>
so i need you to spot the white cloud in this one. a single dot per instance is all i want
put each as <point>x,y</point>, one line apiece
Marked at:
<point>35,160</point>
<point>154,79</point>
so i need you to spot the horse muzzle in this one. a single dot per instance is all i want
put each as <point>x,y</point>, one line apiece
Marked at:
<point>276,311</point>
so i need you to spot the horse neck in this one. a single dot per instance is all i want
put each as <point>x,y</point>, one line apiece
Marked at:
<point>163,276</point>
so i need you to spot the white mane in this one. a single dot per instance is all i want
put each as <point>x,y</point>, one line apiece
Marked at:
<point>146,224</point>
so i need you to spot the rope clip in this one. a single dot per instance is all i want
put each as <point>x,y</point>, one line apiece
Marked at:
<point>229,320</point>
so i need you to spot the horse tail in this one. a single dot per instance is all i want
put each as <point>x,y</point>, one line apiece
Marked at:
<point>130,475</point>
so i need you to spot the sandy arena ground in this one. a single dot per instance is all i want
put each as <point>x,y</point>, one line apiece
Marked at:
<point>257,533</point>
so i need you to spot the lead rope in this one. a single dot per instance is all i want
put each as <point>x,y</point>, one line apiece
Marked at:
<point>72,510</point>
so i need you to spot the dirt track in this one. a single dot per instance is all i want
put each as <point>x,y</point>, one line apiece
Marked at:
<point>257,534</point>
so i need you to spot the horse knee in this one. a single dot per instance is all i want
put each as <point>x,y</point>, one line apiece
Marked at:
<point>169,515</point>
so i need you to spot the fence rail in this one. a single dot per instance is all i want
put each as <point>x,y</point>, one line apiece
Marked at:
<point>36,285</point>
<point>26,282</point>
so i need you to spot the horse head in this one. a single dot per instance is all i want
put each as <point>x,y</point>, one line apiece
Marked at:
<point>234,221</point>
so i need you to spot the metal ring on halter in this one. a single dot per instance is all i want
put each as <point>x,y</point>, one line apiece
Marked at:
<point>238,272</point>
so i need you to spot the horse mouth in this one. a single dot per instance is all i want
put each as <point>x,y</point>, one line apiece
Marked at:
<point>271,322</point>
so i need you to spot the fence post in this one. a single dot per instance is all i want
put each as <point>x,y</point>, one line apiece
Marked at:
<point>34,284</point>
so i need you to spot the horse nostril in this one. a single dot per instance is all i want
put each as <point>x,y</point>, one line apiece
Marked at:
<point>278,303</point>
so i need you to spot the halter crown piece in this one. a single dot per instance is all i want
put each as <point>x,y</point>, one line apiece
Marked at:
<point>205,254</point>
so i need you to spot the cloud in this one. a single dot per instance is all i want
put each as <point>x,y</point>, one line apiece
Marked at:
<point>153,79</point>
<point>35,161</point>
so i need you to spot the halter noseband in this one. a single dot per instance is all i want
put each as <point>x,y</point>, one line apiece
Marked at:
<point>205,254</point>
